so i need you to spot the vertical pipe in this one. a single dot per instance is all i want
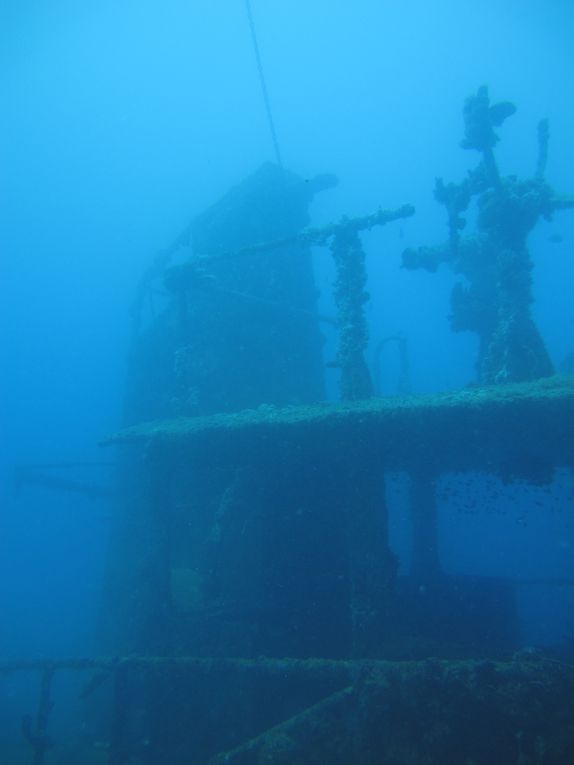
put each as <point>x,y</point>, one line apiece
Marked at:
<point>542,158</point>
<point>350,296</point>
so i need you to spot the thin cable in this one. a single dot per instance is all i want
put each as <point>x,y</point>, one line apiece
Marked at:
<point>263,85</point>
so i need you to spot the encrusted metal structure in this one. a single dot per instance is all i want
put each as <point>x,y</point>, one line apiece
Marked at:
<point>495,296</point>
<point>252,590</point>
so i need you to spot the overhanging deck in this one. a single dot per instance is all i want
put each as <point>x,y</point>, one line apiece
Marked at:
<point>518,430</point>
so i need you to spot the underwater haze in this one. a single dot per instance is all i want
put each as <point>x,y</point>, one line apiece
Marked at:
<point>124,120</point>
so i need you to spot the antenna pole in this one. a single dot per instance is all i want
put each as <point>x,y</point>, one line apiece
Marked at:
<point>263,85</point>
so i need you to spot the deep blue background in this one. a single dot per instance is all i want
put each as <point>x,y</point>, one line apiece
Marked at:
<point>123,119</point>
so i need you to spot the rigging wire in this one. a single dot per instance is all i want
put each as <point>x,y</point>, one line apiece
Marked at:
<point>263,85</point>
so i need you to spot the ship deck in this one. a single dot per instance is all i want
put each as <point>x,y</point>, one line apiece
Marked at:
<point>515,430</point>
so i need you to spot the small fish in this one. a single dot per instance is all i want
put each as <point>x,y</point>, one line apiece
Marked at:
<point>555,238</point>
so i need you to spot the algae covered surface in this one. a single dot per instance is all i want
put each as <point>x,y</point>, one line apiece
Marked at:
<point>479,427</point>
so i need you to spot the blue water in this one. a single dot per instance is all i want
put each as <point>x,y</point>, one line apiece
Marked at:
<point>123,120</point>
